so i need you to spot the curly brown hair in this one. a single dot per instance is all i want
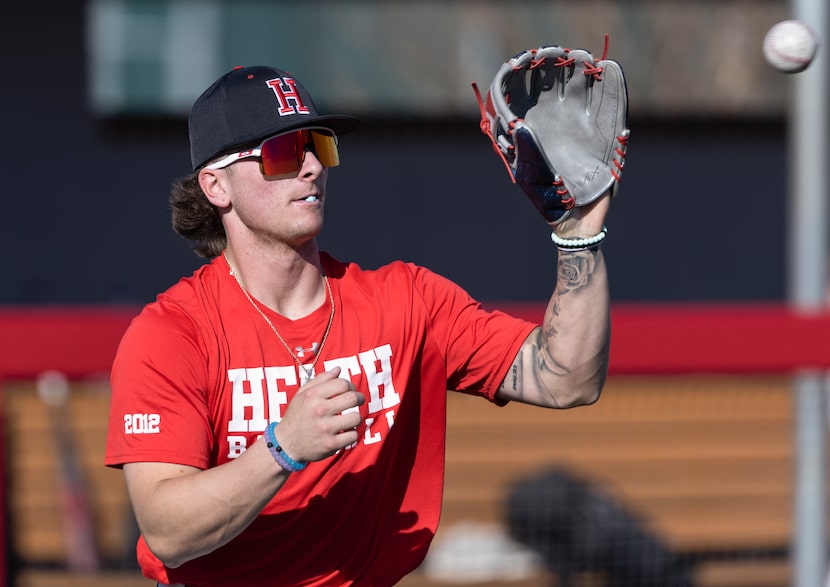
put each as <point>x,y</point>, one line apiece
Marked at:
<point>195,218</point>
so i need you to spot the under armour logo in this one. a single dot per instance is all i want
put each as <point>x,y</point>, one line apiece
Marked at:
<point>301,352</point>
<point>290,101</point>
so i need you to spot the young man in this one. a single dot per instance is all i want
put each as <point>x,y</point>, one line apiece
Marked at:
<point>353,365</point>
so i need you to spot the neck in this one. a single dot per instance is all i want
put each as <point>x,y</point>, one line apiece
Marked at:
<point>293,286</point>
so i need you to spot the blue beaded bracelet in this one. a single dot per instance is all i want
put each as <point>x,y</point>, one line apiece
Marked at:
<point>282,458</point>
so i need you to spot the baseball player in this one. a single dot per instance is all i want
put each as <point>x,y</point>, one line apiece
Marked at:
<point>279,415</point>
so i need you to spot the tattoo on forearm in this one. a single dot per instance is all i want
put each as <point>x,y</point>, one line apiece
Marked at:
<point>575,270</point>
<point>544,359</point>
<point>545,363</point>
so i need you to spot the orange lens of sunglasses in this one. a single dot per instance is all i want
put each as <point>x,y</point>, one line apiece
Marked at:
<point>284,154</point>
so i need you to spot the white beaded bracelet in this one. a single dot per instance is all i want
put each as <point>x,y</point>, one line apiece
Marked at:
<point>578,244</point>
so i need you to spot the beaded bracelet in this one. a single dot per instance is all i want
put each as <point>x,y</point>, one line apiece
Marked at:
<point>282,458</point>
<point>270,441</point>
<point>578,244</point>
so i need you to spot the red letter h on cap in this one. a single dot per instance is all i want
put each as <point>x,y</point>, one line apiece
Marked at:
<point>285,88</point>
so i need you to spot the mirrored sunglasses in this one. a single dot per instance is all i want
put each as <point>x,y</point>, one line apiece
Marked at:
<point>284,154</point>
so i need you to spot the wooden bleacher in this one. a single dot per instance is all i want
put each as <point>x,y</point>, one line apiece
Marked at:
<point>706,462</point>
<point>36,530</point>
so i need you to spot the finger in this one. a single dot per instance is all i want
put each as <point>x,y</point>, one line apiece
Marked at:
<point>348,420</point>
<point>344,439</point>
<point>610,98</point>
<point>336,395</point>
<point>321,379</point>
<point>348,401</point>
<point>579,84</point>
<point>549,74</point>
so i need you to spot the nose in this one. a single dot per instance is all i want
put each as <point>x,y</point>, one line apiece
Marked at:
<point>311,164</point>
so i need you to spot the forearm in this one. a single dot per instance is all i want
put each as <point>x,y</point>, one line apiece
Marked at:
<point>574,341</point>
<point>564,362</point>
<point>184,513</point>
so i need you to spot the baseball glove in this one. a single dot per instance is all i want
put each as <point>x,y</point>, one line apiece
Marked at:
<point>558,118</point>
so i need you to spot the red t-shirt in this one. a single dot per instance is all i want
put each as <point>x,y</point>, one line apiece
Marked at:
<point>199,374</point>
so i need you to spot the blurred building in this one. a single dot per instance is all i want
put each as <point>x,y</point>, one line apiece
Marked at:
<point>97,95</point>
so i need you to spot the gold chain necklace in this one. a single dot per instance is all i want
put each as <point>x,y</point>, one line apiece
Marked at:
<point>308,370</point>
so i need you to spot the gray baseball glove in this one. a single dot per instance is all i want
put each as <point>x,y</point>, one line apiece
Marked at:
<point>559,120</point>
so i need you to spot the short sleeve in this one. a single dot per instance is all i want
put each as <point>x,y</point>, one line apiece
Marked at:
<point>159,410</point>
<point>479,345</point>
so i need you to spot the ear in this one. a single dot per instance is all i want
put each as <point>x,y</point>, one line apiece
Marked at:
<point>214,184</point>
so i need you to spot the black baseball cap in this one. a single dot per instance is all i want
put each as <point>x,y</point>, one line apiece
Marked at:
<point>248,104</point>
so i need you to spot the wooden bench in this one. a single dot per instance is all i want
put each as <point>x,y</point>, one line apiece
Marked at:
<point>705,462</point>
<point>36,529</point>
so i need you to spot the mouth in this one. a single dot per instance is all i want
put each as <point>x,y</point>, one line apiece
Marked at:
<point>311,199</point>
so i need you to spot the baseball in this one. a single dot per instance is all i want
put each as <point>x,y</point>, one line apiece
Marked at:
<point>790,46</point>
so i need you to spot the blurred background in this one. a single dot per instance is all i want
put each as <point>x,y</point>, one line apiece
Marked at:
<point>97,96</point>
<point>681,475</point>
